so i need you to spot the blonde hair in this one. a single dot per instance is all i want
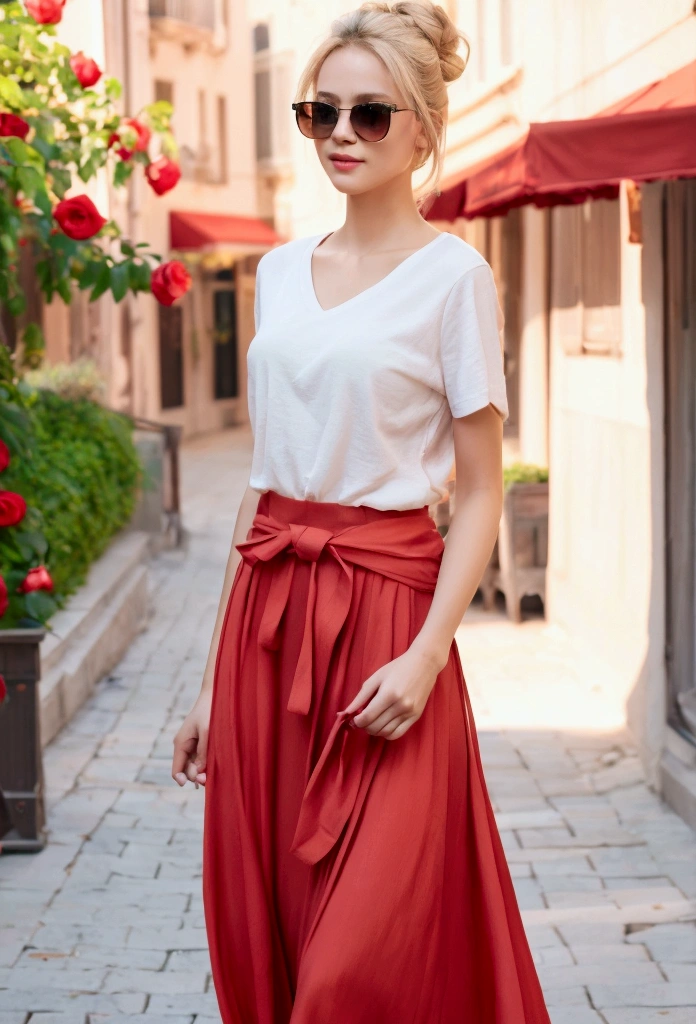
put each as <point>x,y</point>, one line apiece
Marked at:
<point>417,41</point>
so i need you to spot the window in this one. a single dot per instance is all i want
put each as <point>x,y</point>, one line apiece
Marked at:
<point>261,37</point>
<point>222,140</point>
<point>225,384</point>
<point>586,276</point>
<point>262,99</point>
<point>171,352</point>
<point>164,91</point>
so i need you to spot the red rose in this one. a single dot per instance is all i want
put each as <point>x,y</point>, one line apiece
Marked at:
<point>36,579</point>
<point>4,600</point>
<point>162,174</point>
<point>78,217</point>
<point>11,124</point>
<point>46,12</point>
<point>3,689</point>
<point>87,71</point>
<point>169,282</point>
<point>144,135</point>
<point>13,508</point>
<point>4,456</point>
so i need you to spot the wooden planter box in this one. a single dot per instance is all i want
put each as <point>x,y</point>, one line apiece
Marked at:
<point>22,817</point>
<point>518,564</point>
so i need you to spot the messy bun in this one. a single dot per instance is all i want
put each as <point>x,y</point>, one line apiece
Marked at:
<point>419,44</point>
<point>440,31</point>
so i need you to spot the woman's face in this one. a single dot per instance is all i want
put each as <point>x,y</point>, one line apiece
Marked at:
<point>351,75</point>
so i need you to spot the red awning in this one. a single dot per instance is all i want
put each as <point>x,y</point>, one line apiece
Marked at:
<point>569,161</point>
<point>193,230</point>
<point>675,90</point>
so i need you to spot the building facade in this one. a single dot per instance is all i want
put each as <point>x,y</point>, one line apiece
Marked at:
<point>183,364</point>
<point>601,338</point>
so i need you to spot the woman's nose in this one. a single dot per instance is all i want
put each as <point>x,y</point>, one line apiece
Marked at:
<point>344,129</point>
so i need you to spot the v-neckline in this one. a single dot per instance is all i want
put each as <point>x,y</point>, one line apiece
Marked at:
<point>308,281</point>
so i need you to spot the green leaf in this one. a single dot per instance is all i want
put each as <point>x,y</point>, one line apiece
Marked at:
<point>63,289</point>
<point>126,248</point>
<point>48,150</point>
<point>90,275</point>
<point>103,282</point>
<point>34,542</point>
<point>43,202</point>
<point>16,305</point>
<point>89,168</point>
<point>113,88</point>
<point>61,180</point>
<point>24,155</point>
<point>122,172</point>
<point>40,605</point>
<point>30,181</point>
<point>119,280</point>
<point>10,92</point>
<point>140,275</point>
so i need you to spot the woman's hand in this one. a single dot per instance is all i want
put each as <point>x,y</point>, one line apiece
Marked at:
<point>191,742</point>
<point>399,691</point>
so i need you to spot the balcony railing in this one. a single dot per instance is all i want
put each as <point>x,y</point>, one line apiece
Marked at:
<point>198,13</point>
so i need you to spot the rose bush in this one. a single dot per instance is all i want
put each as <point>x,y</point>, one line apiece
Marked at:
<point>63,496</point>
<point>75,466</point>
<point>56,130</point>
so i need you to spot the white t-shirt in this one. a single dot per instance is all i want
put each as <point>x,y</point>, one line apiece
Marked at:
<point>354,404</point>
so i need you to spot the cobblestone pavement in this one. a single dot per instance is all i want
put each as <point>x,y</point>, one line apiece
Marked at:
<point>106,923</point>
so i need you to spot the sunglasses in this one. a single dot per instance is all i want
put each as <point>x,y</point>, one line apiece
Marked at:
<point>370,121</point>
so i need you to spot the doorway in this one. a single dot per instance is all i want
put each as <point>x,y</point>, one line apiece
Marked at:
<point>679,248</point>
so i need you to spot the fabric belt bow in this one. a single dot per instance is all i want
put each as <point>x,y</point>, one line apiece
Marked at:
<point>404,548</point>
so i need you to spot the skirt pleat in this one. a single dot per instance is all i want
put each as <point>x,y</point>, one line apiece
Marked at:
<point>411,917</point>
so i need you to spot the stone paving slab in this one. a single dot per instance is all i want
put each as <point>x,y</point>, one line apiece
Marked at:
<point>106,924</point>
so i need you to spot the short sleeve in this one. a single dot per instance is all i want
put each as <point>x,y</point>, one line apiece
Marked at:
<point>471,345</point>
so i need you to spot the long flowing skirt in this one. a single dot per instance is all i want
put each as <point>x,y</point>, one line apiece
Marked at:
<point>349,879</point>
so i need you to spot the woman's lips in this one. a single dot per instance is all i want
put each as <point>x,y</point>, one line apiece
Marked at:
<point>344,164</point>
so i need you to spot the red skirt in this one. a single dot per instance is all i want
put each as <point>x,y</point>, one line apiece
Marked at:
<point>349,879</point>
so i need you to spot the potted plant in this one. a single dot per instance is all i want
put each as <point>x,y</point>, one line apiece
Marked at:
<point>518,564</point>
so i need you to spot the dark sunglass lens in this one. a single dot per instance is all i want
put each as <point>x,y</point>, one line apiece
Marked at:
<point>324,120</point>
<point>371,121</point>
<point>304,119</point>
<point>316,120</point>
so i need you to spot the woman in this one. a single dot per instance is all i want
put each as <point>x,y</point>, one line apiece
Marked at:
<point>352,868</point>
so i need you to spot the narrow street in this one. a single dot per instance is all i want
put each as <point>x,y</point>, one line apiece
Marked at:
<point>106,924</point>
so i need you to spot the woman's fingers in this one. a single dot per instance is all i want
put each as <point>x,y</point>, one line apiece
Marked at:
<point>376,726</point>
<point>187,762</point>
<point>401,728</point>
<point>366,690</point>
<point>181,762</point>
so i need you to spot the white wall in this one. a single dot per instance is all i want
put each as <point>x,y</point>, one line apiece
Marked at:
<point>606,567</point>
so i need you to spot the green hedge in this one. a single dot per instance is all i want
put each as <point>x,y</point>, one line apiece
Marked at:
<point>524,473</point>
<point>79,473</point>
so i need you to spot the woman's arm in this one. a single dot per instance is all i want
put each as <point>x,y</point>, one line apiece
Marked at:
<point>400,689</point>
<point>191,741</point>
<point>478,506</point>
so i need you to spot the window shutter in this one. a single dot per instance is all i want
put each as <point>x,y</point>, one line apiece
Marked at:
<point>566,308</point>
